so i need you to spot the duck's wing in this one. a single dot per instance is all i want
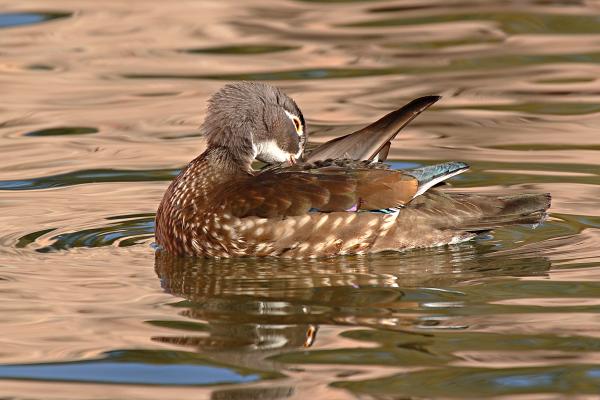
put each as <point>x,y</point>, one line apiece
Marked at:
<point>431,175</point>
<point>328,187</point>
<point>292,193</point>
<point>372,142</point>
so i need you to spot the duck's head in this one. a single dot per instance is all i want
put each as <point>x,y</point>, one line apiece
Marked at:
<point>255,121</point>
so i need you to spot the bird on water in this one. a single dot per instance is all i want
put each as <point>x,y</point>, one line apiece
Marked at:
<point>340,198</point>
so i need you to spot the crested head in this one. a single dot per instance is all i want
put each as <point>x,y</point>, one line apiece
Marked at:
<point>255,120</point>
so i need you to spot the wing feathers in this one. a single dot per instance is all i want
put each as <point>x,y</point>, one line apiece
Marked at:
<point>431,175</point>
<point>374,140</point>
<point>387,188</point>
<point>295,193</point>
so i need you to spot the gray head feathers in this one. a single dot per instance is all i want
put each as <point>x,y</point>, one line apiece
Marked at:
<point>253,119</point>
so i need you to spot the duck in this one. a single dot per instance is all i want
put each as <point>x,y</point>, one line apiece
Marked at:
<point>338,198</point>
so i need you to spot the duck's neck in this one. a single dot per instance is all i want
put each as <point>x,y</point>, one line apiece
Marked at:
<point>229,162</point>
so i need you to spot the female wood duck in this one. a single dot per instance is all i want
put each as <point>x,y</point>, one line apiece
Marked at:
<point>339,199</point>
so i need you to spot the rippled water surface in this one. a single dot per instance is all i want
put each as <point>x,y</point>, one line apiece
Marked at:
<point>100,107</point>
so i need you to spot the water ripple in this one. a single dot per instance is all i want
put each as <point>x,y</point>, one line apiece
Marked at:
<point>128,231</point>
<point>63,131</point>
<point>482,382</point>
<point>137,367</point>
<point>89,176</point>
<point>513,23</point>
<point>11,20</point>
<point>241,49</point>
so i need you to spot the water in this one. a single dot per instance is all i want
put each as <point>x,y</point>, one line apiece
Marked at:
<point>100,107</point>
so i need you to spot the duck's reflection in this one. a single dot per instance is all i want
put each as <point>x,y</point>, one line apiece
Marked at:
<point>265,306</point>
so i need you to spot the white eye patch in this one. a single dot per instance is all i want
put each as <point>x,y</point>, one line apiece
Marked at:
<point>269,151</point>
<point>296,121</point>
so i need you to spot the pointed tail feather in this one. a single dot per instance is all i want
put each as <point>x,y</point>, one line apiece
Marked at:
<point>373,141</point>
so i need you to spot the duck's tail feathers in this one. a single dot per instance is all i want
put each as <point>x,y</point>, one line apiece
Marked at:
<point>497,211</point>
<point>431,175</point>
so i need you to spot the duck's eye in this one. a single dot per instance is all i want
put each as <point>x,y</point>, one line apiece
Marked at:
<point>297,125</point>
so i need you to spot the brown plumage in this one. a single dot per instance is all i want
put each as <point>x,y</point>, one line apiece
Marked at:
<point>219,207</point>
